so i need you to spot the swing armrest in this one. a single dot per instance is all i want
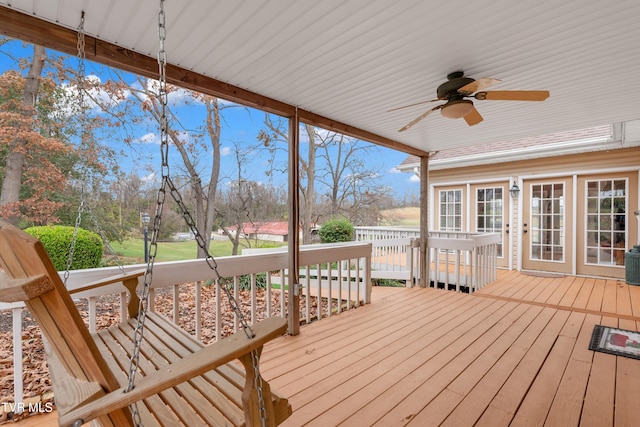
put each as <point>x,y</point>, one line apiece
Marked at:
<point>193,365</point>
<point>109,280</point>
<point>129,281</point>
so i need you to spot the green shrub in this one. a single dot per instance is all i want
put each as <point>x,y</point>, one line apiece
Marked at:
<point>57,241</point>
<point>336,230</point>
<point>388,282</point>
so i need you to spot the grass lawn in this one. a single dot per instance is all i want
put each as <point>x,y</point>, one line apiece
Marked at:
<point>131,251</point>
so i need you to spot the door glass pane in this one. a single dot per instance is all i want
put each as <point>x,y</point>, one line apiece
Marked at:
<point>451,210</point>
<point>489,204</point>
<point>547,222</point>
<point>606,219</point>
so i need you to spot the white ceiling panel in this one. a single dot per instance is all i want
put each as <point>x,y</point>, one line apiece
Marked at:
<point>352,60</point>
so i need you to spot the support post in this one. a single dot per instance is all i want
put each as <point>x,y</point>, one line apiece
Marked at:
<point>424,220</point>
<point>294,226</point>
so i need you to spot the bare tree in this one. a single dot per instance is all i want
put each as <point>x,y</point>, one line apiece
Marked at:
<point>335,169</point>
<point>247,204</point>
<point>273,137</point>
<point>192,144</point>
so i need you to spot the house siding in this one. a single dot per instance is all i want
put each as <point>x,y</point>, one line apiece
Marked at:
<point>555,165</point>
<point>573,169</point>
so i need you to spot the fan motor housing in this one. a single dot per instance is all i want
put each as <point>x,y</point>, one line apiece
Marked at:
<point>449,89</point>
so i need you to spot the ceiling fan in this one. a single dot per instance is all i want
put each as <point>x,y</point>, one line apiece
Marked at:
<point>458,87</point>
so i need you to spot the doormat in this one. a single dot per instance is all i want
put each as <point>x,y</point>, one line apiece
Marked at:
<point>615,341</point>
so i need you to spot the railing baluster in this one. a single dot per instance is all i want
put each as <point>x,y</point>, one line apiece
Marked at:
<point>218,304</point>
<point>307,294</point>
<point>152,299</point>
<point>268,293</point>
<point>198,309</point>
<point>282,285</point>
<point>319,286</point>
<point>91,304</point>
<point>18,385</point>
<point>123,306</point>
<point>176,303</point>
<point>254,287</point>
<point>329,293</point>
<point>236,292</point>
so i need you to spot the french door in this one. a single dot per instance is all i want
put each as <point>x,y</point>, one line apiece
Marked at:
<point>547,230</point>
<point>489,206</point>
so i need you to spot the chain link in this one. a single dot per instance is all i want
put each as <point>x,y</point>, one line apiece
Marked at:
<point>80,95</point>
<point>84,206</point>
<point>167,184</point>
<point>257,382</point>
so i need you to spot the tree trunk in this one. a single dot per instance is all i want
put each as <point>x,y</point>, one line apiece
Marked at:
<point>310,194</point>
<point>10,192</point>
<point>213,129</point>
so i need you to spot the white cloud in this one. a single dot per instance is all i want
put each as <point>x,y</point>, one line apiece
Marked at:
<point>176,97</point>
<point>225,151</point>
<point>149,178</point>
<point>150,138</point>
<point>95,98</point>
<point>414,178</point>
<point>394,170</point>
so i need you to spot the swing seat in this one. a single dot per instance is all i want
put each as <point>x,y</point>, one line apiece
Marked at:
<point>180,381</point>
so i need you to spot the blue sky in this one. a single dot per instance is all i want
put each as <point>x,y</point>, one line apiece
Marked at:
<point>240,126</point>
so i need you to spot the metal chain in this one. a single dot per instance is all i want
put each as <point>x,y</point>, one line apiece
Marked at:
<point>74,238</point>
<point>257,382</point>
<point>153,246</point>
<point>84,204</point>
<point>157,219</point>
<point>80,83</point>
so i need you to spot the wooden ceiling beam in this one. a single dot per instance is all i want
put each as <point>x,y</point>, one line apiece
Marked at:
<point>34,30</point>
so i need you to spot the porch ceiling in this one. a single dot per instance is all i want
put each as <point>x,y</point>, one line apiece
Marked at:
<point>351,61</point>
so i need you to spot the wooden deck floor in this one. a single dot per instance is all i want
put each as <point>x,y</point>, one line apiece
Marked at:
<point>515,353</point>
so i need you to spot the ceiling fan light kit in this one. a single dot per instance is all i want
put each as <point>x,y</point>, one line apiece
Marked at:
<point>457,108</point>
<point>458,87</point>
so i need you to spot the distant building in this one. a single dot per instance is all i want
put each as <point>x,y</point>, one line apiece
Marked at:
<point>277,231</point>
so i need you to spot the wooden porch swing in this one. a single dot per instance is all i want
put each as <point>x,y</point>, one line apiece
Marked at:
<point>183,382</point>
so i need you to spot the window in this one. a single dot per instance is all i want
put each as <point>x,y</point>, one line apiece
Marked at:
<point>606,230</point>
<point>489,202</point>
<point>451,210</point>
<point>547,222</point>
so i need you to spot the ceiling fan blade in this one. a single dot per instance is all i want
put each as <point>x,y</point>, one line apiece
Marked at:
<point>419,118</point>
<point>473,117</point>
<point>514,95</point>
<point>412,105</point>
<point>477,85</point>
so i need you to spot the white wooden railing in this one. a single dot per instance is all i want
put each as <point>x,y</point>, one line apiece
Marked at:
<point>456,260</point>
<point>365,234</point>
<point>462,260</point>
<point>338,274</point>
